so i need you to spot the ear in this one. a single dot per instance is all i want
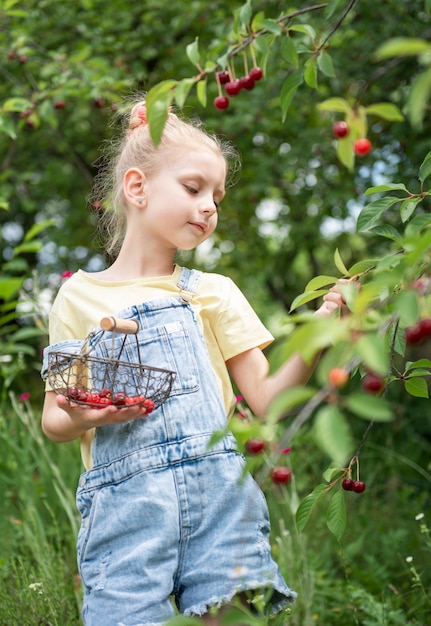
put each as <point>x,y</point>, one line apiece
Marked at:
<point>134,187</point>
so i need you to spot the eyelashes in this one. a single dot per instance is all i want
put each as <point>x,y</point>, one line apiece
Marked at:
<point>193,191</point>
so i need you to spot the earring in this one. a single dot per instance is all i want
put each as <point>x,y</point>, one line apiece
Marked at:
<point>140,201</point>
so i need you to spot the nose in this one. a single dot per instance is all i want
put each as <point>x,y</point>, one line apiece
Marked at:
<point>207,205</point>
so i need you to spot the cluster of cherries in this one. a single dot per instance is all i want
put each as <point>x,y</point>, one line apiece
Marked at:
<point>348,484</point>
<point>361,147</point>
<point>280,475</point>
<point>232,86</point>
<point>105,397</point>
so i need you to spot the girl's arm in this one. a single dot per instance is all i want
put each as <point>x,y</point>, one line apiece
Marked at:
<point>250,369</point>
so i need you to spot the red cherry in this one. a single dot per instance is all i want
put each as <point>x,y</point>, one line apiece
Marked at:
<point>11,55</point>
<point>223,77</point>
<point>363,146</point>
<point>99,102</point>
<point>221,102</point>
<point>338,377</point>
<point>256,73</point>
<point>373,383</point>
<point>255,446</point>
<point>347,484</point>
<point>233,87</point>
<point>358,486</point>
<point>23,59</point>
<point>149,405</point>
<point>340,129</point>
<point>281,475</point>
<point>413,334</point>
<point>247,83</point>
<point>105,393</point>
<point>119,398</point>
<point>60,104</point>
<point>425,327</point>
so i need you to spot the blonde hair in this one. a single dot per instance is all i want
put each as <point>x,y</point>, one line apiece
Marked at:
<point>135,148</point>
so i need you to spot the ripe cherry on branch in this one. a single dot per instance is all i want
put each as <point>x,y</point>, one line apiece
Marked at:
<point>416,334</point>
<point>362,147</point>
<point>281,475</point>
<point>221,102</point>
<point>340,129</point>
<point>255,446</point>
<point>372,383</point>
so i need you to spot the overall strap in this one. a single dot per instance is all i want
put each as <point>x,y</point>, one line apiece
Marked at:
<point>188,283</point>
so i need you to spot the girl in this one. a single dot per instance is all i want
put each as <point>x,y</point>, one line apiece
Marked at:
<point>166,517</point>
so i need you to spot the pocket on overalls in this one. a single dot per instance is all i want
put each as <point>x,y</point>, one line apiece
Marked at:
<point>86,504</point>
<point>167,346</point>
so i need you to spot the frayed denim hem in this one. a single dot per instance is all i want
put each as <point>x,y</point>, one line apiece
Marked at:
<point>283,600</point>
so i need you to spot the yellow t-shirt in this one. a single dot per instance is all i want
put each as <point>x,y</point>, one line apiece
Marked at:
<point>228,322</point>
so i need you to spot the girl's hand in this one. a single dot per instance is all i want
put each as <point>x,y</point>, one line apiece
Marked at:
<point>333,301</point>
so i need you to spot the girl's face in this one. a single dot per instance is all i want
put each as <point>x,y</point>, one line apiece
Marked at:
<point>182,197</point>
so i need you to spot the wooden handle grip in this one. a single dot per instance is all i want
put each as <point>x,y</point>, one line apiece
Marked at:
<point>130,327</point>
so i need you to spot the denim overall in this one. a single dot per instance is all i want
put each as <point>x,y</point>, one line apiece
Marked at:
<point>167,514</point>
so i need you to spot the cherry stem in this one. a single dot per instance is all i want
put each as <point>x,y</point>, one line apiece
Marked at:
<point>219,89</point>
<point>244,54</point>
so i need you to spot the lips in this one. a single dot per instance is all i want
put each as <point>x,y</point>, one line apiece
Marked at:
<point>200,226</point>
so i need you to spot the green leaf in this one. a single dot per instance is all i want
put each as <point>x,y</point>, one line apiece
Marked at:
<point>339,264</point>
<point>320,281</point>
<point>324,63</point>
<point>419,363</point>
<point>308,505</point>
<point>406,304</point>
<point>289,51</point>
<point>385,230</point>
<point>345,152</point>
<point>418,97</point>
<point>305,297</point>
<point>182,90</point>
<point>192,51</point>
<point>306,29</point>
<point>289,89</point>
<point>331,7</point>
<point>244,14</point>
<point>7,125</point>
<point>408,207</point>
<point>373,351</point>
<point>417,387</point>
<point>201,90</point>
<point>386,111</point>
<point>158,101</point>
<point>368,407</point>
<point>402,46</point>
<point>387,187</point>
<point>332,434</point>
<point>310,74</point>
<point>372,212</point>
<point>336,518</point>
<point>17,105</point>
<point>337,105</point>
<point>287,400</point>
<point>425,169</point>
<point>272,26</point>
<point>9,287</point>
<point>38,228</point>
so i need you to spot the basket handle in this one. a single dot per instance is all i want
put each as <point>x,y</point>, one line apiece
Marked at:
<point>116,324</point>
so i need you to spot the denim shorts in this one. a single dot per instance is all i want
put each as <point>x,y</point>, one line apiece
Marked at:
<point>172,531</point>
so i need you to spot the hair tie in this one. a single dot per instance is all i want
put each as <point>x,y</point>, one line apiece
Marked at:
<point>141,112</point>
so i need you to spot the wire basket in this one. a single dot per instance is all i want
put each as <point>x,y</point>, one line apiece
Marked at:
<point>96,381</point>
